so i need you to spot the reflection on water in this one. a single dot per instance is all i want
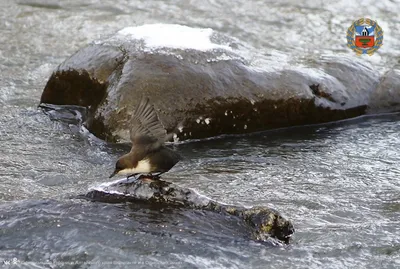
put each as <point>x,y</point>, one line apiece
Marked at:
<point>338,183</point>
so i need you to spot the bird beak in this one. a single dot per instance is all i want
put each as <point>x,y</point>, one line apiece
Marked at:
<point>113,174</point>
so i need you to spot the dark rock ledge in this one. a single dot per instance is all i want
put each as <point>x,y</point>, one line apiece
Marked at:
<point>262,222</point>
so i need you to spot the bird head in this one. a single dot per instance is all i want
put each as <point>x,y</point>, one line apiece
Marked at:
<point>121,166</point>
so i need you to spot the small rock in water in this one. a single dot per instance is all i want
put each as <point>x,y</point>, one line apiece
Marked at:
<point>263,223</point>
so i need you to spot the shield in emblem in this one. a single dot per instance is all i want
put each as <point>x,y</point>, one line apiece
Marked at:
<point>365,41</point>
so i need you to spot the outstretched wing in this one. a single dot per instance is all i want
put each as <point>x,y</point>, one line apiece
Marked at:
<point>146,128</point>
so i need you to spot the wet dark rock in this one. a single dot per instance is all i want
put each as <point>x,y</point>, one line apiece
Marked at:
<point>213,92</point>
<point>387,95</point>
<point>263,223</point>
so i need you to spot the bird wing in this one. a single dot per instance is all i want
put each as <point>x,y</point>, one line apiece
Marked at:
<point>146,128</point>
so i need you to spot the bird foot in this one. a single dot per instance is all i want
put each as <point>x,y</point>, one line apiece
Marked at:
<point>130,180</point>
<point>150,177</point>
<point>133,175</point>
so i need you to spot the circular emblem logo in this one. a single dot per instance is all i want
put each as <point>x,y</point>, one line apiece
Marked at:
<point>364,36</point>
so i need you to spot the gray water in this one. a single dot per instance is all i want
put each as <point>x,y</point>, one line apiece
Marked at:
<point>338,183</point>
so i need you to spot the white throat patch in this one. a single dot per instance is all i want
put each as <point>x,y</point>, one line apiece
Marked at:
<point>143,166</point>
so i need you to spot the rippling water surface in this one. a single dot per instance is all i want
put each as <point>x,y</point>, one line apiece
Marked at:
<point>339,183</point>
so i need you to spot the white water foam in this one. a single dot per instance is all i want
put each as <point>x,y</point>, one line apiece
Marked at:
<point>103,187</point>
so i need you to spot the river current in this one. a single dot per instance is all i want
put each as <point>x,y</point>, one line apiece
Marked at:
<point>338,183</point>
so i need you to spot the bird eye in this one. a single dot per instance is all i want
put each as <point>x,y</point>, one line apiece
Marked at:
<point>118,166</point>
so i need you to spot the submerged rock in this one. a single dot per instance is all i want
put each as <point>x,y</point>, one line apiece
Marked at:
<point>202,86</point>
<point>262,222</point>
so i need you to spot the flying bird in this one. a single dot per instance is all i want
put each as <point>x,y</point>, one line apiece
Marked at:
<point>148,154</point>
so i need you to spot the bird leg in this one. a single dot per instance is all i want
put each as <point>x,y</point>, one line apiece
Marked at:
<point>149,178</point>
<point>133,175</point>
<point>130,176</point>
<point>155,176</point>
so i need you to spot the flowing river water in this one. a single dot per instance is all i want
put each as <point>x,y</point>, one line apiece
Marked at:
<point>338,183</point>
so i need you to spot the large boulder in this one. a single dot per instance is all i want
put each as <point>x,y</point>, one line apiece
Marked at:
<point>263,223</point>
<point>202,85</point>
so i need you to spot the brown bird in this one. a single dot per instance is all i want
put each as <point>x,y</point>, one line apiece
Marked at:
<point>148,154</point>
